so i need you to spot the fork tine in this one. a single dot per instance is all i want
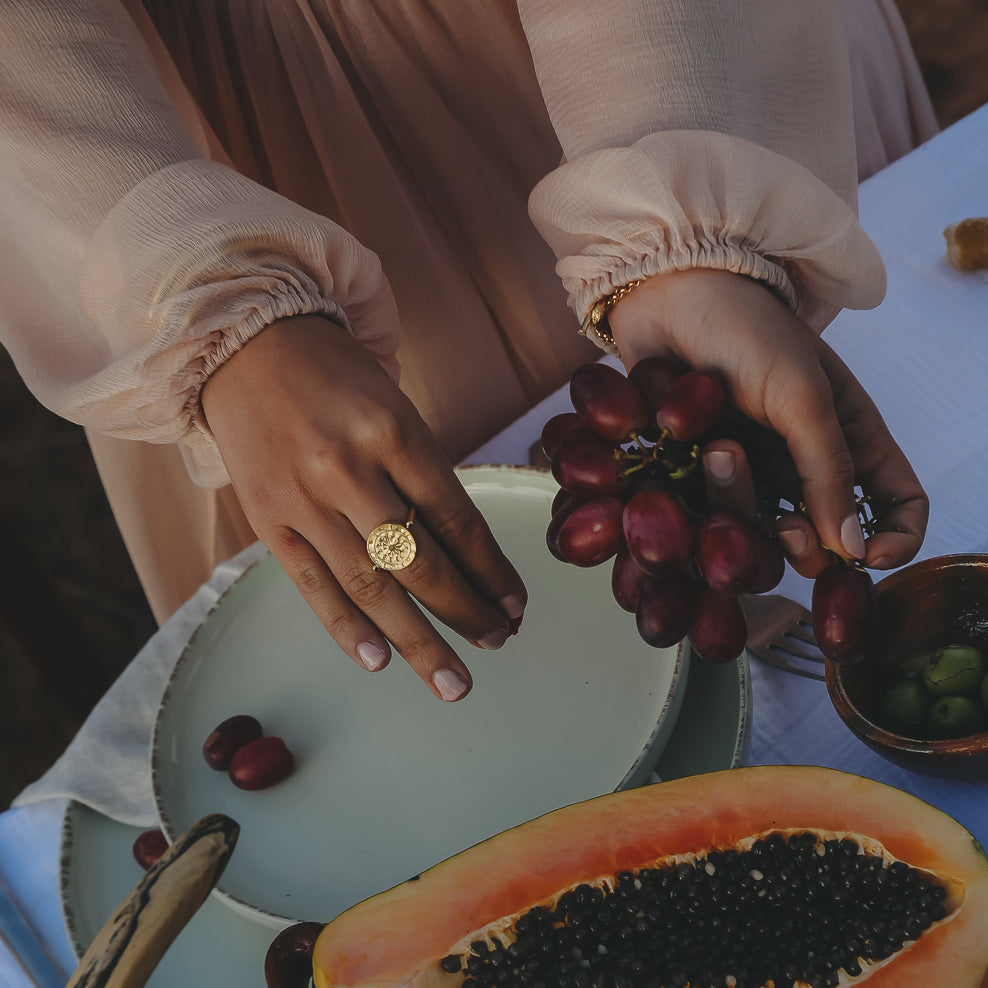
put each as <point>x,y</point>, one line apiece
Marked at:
<point>802,632</point>
<point>790,662</point>
<point>812,654</point>
<point>782,635</point>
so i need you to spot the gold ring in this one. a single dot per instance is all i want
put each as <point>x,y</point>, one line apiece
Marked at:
<point>392,546</point>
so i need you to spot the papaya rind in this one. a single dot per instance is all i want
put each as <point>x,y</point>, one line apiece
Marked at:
<point>396,938</point>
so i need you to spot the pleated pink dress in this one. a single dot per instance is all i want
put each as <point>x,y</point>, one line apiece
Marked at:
<point>421,128</point>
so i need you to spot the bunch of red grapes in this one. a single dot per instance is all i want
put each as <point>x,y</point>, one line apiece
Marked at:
<point>632,489</point>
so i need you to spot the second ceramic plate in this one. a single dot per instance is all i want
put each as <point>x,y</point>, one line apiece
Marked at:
<point>389,779</point>
<point>223,948</point>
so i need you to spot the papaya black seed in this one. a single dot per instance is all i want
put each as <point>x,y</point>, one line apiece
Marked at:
<point>784,911</point>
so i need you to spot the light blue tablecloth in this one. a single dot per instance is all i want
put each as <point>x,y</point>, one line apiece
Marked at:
<point>923,355</point>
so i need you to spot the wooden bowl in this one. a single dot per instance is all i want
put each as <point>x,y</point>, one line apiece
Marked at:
<point>936,602</point>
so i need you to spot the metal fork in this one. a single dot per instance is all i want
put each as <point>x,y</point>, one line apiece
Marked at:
<point>781,634</point>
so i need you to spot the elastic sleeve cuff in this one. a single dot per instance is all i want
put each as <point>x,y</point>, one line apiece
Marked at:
<point>192,264</point>
<point>685,199</point>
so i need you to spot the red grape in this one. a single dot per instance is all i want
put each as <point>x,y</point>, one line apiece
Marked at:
<point>608,402</point>
<point>678,567</point>
<point>567,427</point>
<point>690,405</point>
<point>226,739</point>
<point>735,558</point>
<point>771,564</point>
<point>843,612</point>
<point>563,504</point>
<point>566,501</point>
<point>261,764</point>
<point>657,531</point>
<point>652,377</point>
<point>591,468</point>
<point>719,630</point>
<point>626,581</point>
<point>591,532</point>
<point>665,608</point>
<point>552,534</point>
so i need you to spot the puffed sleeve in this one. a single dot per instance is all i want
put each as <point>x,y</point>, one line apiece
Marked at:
<point>699,133</point>
<point>131,266</point>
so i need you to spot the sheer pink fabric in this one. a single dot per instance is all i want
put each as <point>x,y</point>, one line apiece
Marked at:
<point>384,153</point>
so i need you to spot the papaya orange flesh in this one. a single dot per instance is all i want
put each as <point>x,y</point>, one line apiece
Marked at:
<point>776,875</point>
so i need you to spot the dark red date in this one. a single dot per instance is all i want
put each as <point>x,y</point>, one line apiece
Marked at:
<point>261,764</point>
<point>148,847</point>
<point>288,961</point>
<point>228,738</point>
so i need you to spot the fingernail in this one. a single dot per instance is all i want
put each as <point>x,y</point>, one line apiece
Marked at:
<point>513,606</point>
<point>514,624</point>
<point>720,465</point>
<point>494,640</point>
<point>449,683</point>
<point>852,538</point>
<point>793,540</point>
<point>371,656</point>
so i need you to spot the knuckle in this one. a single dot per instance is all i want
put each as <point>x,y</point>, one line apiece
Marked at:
<point>342,626</point>
<point>380,427</point>
<point>425,574</point>
<point>288,545</point>
<point>867,430</point>
<point>365,587</point>
<point>458,527</point>
<point>328,460</point>
<point>390,429</point>
<point>841,465</point>
<point>311,581</point>
<point>417,651</point>
<point>338,459</point>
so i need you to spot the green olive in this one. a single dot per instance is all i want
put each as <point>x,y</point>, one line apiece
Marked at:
<point>904,707</point>
<point>954,717</point>
<point>954,669</point>
<point>913,666</point>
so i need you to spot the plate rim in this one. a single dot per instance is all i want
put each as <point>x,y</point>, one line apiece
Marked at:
<point>741,685</point>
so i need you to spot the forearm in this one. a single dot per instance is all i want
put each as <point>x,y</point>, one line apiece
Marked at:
<point>774,73</point>
<point>132,266</point>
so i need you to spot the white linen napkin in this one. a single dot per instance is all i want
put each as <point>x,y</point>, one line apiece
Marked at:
<point>108,763</point>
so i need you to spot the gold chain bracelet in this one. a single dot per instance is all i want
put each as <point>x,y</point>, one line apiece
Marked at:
<point>594,325</point>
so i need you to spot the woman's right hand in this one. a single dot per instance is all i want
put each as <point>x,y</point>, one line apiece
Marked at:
<point>322,447</point>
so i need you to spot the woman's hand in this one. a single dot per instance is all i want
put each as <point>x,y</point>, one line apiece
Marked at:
<point>322,447</point>
<point>780,374</point>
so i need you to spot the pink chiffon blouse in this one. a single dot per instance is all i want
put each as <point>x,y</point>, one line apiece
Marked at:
<point>456,184</point>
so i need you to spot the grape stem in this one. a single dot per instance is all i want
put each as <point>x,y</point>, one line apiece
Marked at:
<point>681,470</point>
<point>633,468</point>
<point>636,438</point>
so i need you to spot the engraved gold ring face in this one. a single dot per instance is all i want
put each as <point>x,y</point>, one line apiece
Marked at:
<point>392,546</point>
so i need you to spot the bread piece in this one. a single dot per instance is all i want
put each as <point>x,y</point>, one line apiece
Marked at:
<point>967,244</point>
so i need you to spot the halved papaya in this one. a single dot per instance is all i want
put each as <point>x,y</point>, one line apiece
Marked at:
<point>774,875</point>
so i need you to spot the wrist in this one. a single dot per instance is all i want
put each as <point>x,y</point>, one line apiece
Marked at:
<point>249,370</point>
<point>671,311</point>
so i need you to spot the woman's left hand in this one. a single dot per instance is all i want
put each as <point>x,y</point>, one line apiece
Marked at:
<point>782,376</point>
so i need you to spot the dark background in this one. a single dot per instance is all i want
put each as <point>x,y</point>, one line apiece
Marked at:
<point>72,614</point>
